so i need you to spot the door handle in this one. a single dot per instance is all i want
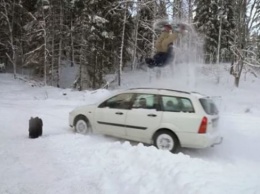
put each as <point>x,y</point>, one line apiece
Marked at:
<point>119,113</point>
<point>152,115</point>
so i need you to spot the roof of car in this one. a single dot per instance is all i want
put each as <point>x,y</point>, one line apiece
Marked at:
<point>196,94</point>
<point>160,89</point>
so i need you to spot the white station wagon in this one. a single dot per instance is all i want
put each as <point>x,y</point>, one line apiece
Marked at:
<point>166,118</point>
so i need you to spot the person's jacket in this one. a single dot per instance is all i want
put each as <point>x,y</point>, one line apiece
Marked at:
<point>166,38</point>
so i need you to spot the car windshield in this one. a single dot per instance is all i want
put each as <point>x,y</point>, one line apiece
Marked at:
<point>209,106</point>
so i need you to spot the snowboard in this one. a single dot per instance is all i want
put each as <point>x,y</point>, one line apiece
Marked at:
<point>176,25</point>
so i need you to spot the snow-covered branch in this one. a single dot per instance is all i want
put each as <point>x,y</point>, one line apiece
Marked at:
<point>248,58</point>
<point>3,14</point>
<point>26,12</point>
<point>2,44</point>
<point>10,59</point>
<point>33,51</point>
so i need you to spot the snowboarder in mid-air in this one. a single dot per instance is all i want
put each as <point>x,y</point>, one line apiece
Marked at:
<point>164,45</point>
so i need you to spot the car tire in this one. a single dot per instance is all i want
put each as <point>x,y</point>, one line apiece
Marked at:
<point>166,140</point>
<point>82,125</point>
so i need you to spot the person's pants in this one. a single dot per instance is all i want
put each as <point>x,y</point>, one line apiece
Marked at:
<point>161,59</point>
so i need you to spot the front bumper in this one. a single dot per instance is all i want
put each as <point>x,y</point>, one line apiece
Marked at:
<point>71,120</point>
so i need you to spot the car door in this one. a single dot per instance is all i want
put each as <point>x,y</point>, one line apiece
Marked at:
<point>143,118</point>
<point>179,113</point>
<point>110,115</point>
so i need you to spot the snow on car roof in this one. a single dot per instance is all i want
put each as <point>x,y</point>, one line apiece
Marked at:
<point>160,89</point>
<point>193,93</point>
<point>198,95</point>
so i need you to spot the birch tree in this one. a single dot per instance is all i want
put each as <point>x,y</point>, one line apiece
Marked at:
<point>122,46</point>
<point>240,41</point>
<point>135,34</point>
<point>61,27</point>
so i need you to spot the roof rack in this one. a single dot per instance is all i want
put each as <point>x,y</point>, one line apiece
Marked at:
<point>161,89</point>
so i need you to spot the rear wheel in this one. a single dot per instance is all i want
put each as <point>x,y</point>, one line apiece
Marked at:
<point>82,125</point>
<point>166,140</point>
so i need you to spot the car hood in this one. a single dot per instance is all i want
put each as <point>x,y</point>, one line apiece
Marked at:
<point>84,108</point>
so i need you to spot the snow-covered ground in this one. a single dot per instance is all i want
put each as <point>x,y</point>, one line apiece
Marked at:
<point>64,162</point>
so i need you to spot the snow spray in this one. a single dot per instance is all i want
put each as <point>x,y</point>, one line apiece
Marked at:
<point>188,50</point>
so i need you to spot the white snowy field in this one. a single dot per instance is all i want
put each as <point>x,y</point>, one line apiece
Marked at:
<point>64,162</point>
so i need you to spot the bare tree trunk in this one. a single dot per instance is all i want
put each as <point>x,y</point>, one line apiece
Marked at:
<point>219,32</point>
<point>52,49</point>
<point>12,58</point>
<point>241,40</point>
<point>95,70</point>
<point>100,74</point>
<point>45,55</point>
<point>231,71</point>
<point>12,40</point>
<point>122,48</point>
<point>81,59</point>
<point>153,36</point>
<point>52,60</point>
<point>219,41</point>
<point>59,63</point>
<point>60,46</point>
<point>135,38</point>
<point>22,49</point>
<point>43,26</point>
<point>72,56</point>
<point>240,68</point>
<point>190,11</point>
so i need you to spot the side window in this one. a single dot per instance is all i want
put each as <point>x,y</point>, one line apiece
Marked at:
<point>145,101</point>
<point>121,101</point>
<point>176,104</point>
<point>187,105</point>
<point>171,104</point>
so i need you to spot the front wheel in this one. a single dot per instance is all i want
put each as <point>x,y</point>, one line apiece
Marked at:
<point>166,140</point>
<point>82,125</point>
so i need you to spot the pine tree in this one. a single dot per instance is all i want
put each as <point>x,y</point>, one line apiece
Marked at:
<point>207,23</point>
<point>101,39</point>
<point>228,32</point>
<point>36,39</point>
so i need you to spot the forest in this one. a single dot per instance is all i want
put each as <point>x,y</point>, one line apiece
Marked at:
<point>105,36</point>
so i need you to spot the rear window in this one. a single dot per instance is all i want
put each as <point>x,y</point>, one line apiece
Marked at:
<point>208,106</point>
